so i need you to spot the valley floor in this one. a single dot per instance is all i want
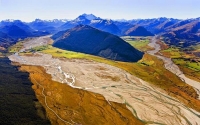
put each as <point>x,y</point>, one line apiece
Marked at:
<point>169,65</point>
<point>148,103</point>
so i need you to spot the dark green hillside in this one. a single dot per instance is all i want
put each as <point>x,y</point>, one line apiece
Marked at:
<point>89,40</point>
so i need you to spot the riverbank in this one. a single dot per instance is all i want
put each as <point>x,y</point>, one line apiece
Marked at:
<point>116,85</point>
<point>169,65</point>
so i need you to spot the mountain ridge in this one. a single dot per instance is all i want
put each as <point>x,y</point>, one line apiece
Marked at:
<point>138,31</point>
<point>89,40</point>
<point>167,27</point>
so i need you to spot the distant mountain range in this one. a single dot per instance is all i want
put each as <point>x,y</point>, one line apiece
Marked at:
<point>174,29</point>
<point>51,26</point>
<point>5,40</point>
<point>189,30</point>
<point>138,31</point>
<point>89,40</point>
<point>13,30</point>
<point>96,22</point>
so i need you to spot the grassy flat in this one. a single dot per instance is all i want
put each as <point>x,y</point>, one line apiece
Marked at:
<point>140,44</point>
<point>16,47</point>
<point>187,62</point>
<point>172,52</point>
<point>190,69</point>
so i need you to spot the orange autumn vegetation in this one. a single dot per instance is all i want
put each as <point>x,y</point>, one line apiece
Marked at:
<point>195,75</point>
<point>76,106</point>
<point>163,45</point>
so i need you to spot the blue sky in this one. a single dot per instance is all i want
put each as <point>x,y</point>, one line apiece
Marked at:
<point>28,10</point>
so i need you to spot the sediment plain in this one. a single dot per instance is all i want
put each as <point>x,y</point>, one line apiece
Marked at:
<point>147,103</point>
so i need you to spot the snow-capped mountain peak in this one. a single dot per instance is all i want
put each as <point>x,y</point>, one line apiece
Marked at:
<point>89,16</point>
